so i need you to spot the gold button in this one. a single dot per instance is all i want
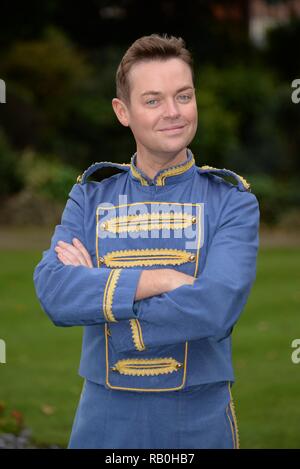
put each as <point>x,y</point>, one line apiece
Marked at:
<point>194,220</point>
<point>103,226</point>
<point>192,257</point>
<point>101,260</point>
<point>79,178</point>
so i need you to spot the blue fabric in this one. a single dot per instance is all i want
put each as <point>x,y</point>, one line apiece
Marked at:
<point>196,417</point>
<point>190,325</point>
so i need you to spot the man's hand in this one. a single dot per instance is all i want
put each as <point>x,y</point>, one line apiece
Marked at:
<point>73,254</point>
<point>157,281</point>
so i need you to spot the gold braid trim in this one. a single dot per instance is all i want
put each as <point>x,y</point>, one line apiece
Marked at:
<point>148,221</point>
<point>235,424</point>
<point>146,367</point>
<point>109,293</point>
<point>139,257</point>
<point>174,172</point>
<point>138,176</point>
<point>243,180</point>
<point>137,336</point>
<point>235,420</point>
<point>232,429</point>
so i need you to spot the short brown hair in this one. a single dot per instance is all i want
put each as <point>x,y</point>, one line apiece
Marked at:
<point>146,48</point>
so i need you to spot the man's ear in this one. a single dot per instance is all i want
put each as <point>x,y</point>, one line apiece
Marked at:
<point>121,111</point>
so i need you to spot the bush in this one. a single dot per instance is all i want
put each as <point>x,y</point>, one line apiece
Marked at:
<point>10,179</point>
<point>238,119</point>
<point>277,198</point>
<point>45,175</point>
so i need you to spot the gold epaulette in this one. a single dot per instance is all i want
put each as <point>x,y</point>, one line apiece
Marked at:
<point>82,178</point>
<point>242,185</point>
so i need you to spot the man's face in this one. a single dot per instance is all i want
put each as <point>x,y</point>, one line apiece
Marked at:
<point>170,102</point>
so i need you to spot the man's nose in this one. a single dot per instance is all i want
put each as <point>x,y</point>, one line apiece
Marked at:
<point>171,109</point>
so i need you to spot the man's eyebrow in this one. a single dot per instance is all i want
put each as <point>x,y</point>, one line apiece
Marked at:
<point>152,92</point>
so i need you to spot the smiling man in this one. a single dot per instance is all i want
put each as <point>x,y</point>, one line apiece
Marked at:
<point>156,262</point>
<point>162,112</point>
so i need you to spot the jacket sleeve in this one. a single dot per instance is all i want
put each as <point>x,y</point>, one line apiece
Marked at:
<point>212,305</point>
<point>79,295</point>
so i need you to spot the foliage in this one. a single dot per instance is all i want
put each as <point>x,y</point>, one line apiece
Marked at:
<point>217,133</point>
<point>10,421</point>
<point>237,107</point>
<point>46,175</point>
<point>59,103</point>
<point>44,76</point>
<point>47,72</point>
<point>282,49</point>
<point>10,180</point>
<point>277,198</point>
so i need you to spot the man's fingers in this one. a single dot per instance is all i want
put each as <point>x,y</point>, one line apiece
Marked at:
<point>72,258</point>
<point>65,259</point>
<point>83,250</point>
<point>76,253</point>
<point>72,251</point>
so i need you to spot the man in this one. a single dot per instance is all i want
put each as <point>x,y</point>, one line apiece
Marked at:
<point>157,263</point>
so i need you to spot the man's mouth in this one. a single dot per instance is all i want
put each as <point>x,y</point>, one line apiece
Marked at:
<point>176,129</point>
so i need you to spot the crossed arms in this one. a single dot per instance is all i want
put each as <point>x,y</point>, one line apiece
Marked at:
<point>171,306</point>
<point>151,282</point>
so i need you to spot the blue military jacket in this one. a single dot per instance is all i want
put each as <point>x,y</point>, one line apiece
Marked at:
<point>187,218</point>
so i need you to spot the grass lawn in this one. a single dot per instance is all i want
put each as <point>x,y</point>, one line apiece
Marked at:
<point>40,377</point>
<point>267,381</point>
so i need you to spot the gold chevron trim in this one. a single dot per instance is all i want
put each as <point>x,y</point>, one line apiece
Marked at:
<point>136,174</point>
<point>139,257</point>
<point>137,336</point>
<point>148,221</point>
<point>232,407</point>
<point>146,367</point>
<point>174,172</point>
<point>231,427</point>
<point>246,184</point>
<point>109,294</point>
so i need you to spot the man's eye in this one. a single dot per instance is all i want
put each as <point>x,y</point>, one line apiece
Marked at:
<point>186,96</point>
<point>151,101</point>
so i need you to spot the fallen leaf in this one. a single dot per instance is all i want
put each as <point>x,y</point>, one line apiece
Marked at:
<point>47,409</point>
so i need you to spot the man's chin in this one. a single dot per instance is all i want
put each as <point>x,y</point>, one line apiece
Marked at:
<point>174,148</point>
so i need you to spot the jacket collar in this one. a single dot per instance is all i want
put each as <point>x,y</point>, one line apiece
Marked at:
<point>171,175</point>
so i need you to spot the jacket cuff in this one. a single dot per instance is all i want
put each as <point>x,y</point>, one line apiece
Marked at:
<point>127,336</point>
<point>119,294</point>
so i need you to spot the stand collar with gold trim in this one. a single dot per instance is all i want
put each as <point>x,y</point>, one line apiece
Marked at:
<point>171,175</point>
